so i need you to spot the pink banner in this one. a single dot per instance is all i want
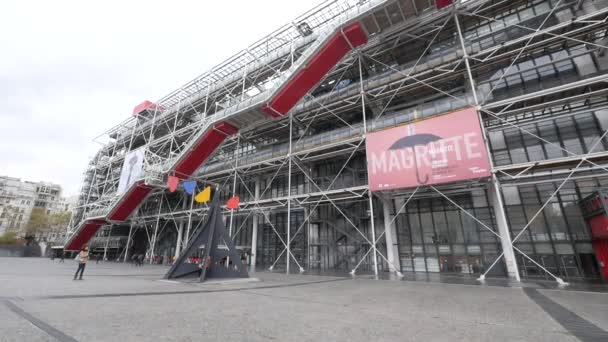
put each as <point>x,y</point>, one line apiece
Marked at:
<point>445,149</point>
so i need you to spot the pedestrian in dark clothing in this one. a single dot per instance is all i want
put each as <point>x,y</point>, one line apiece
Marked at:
<point>62,257</point>
<point>83,257</point>
<point>140,259</point>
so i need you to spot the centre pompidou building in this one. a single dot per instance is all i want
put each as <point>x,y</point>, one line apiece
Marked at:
<point>456,137</point>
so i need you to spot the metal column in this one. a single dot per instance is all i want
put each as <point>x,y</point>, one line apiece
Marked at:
<point>503,230</point>
<point>236,164</point>
<point>371,205</point>
<point>160,206</point>
<point>254,240</point>
<point>389,235</point>
<point>373,226</point>
<point>501,221</point>
<point>254,234</point>
<point>105,250</point>
<point>306,215</point>
<point>128,241</point>
<point>180,231</point>
<point>189,220</point>
<point>289,197</point>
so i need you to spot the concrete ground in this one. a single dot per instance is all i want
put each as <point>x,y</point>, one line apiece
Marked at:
<point>39,301</point>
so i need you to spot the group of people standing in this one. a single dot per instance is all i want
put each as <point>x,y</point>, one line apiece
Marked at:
<point>137,259</point>
<point>83,258</point>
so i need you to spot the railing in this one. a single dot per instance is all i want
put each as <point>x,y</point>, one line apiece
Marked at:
<point>321,16</point>
<point>344,133</point>
<point>155,167</point>
<point>256,101</point>
<point>99,212</point>
<point>328,14</point>
<point>114,242</point>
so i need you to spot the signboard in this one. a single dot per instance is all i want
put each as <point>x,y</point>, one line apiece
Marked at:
<point>594,204</point>
<point>132,170</point>
<point>595,211</point>
<point>444,149</point>
<point>599,226</point>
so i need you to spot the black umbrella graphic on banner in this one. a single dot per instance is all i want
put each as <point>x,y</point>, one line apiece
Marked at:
<point>412,141</point>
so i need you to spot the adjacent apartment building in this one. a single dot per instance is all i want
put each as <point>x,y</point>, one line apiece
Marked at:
<point>18,198</point>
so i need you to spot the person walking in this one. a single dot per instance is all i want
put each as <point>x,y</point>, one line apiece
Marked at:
<point>83,257</point>
<point>62,257</point>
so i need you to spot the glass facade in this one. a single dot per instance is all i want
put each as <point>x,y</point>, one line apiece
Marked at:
<point>558,238</point>
<point>432,234</point>
<point>436,236</point>
<point>560,133</point>
<point>552,109</point>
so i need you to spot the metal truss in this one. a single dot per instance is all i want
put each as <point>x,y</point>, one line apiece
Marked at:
<point>416,64</point>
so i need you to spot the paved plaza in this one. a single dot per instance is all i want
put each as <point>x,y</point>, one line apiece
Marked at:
<point>39,301</point>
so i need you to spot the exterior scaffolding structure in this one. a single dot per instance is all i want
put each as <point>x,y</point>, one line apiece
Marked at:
<point>536,71</point>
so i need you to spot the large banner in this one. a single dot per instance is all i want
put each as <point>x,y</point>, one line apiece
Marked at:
<point>132,170</point>
<point>445,149</point>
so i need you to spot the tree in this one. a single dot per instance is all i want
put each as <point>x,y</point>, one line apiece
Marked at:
<point>8,216</point>
<point>8,238</point>
<point>60,220</point>
<point>39,221</point>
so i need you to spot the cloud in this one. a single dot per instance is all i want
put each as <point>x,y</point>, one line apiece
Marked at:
<point>70,70</point>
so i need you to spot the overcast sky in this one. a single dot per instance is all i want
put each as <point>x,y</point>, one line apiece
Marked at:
<point>69,70</point>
